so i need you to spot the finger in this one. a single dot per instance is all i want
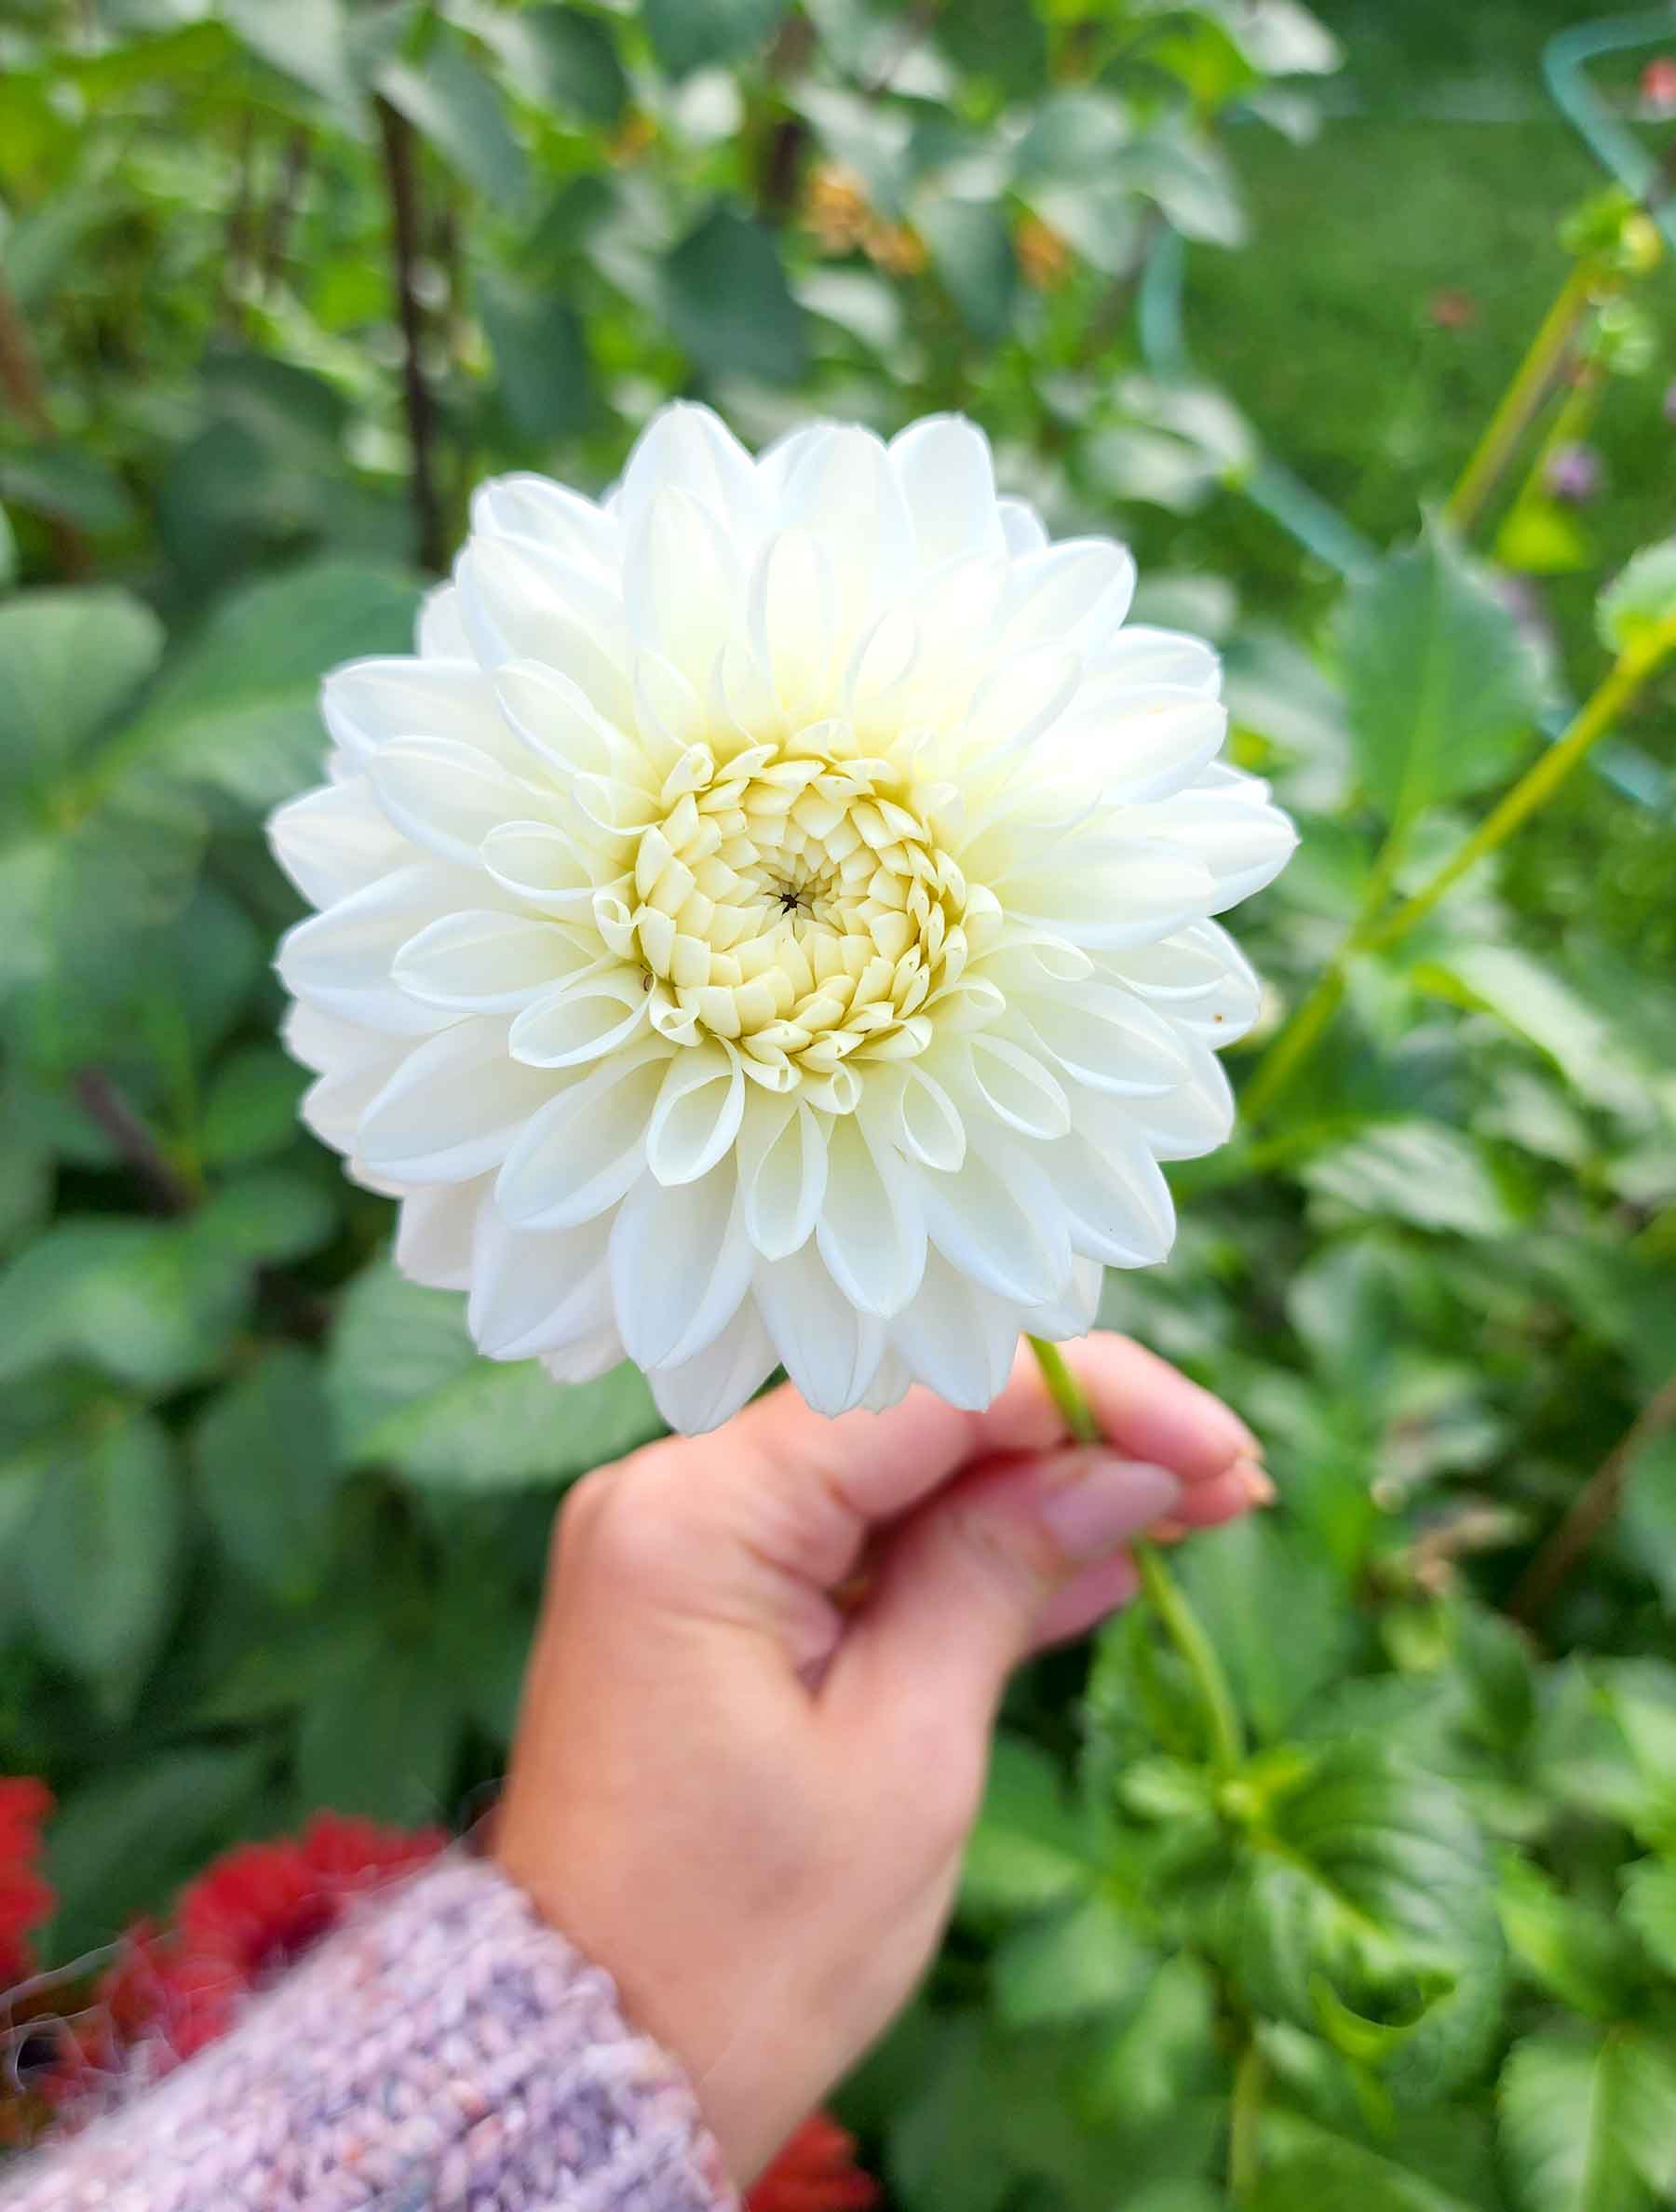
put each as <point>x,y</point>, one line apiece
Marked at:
<point>1086,1600</point>
<point>809,1489</point>
<point>1224,1498</point>
<point>964,1586</point>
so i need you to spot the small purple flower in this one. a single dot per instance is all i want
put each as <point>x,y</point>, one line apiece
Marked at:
<point>1573,474</point>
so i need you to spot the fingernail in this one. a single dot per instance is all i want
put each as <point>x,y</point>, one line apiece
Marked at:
<point>1106,1502</point>
<point>1256,1482</point>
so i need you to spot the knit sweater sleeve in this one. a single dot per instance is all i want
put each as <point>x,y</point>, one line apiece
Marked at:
<point>443,2051</point>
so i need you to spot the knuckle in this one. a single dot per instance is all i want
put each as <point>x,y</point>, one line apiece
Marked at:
<point>618,1520</point>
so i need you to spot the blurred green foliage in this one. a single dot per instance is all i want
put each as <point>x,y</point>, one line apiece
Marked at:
<point>277,286</point>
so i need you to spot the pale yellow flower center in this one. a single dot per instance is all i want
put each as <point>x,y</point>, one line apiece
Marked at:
<point>799,906</point>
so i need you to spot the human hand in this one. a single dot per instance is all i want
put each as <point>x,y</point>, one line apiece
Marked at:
<point>748,1800</point>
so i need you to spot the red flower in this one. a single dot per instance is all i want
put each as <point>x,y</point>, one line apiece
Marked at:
<point>250,1915</point>
<point>816,2172</point>
<point>25,1899</point>
<point>1658,85</point>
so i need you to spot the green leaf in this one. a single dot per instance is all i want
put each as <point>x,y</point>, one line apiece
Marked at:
<point>389,1750</point>
<point>972,252</point>
<point>554,56</point>
<point>1650,1908</point>
<point>1640,603</point>
<point>121,1843</point>
<point>728,305</point>
<point>1568,1947</point>
<point>1085,1962</point>
<point>1309,2167</point>
<point>1277,1613</point>
<point>1531,999</point>
<point>238,710</point>
<point>688,35</point>
<point>1422,1172</point>
<point>266,1458</point>
<point>99,1552</point>
<point>1588,2121</point>
<point>1368,1915</point>
<point>542,369</point>
<point>449,99</point>
<point>9,561</point>
<point>71,658</point>
<point>307,40</point>
<point>1442,687</point>
<point>1029,1847</point>
<point>1004,42</point>
<point>268,1218</point>
<point>250,1112</point>
<point>145,1301</point>
<point>410,1391</point>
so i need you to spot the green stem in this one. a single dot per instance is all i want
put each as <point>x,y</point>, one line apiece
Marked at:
<point>1175,1617</point>
<point>1249,2078</point>
<point>1538,784</point>
<point>1519,404</point>
<point>1568,425</point>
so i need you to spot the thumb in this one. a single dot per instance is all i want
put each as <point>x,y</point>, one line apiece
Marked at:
<point>976,1578</point>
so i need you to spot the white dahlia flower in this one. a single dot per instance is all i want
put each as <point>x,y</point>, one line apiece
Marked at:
<point>769,921</point>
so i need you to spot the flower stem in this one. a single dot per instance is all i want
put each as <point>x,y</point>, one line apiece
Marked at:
<point>1249,2078</point>
<point>1175,1617</point>
<point>1532,380</point>
<point>1538,784</point>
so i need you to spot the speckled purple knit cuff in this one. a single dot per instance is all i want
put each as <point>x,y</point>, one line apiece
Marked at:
<point>445,2049</point>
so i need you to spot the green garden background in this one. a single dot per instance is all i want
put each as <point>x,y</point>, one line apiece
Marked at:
<point>1245,283</point>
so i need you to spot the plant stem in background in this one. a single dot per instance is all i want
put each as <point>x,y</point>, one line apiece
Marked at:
<point>1250,2077</point>
<point>402,185</point>
<point>283,207</point>
<point>1539,783</point>
<point>1372,931</point>
<point>166,1190</point>
<point>25,388</point>
<point>1519,404</point>
<point>1175,1617</point>
<point>1592,1509</point>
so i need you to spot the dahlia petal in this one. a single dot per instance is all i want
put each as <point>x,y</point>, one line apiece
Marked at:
<point>1022,530</point>
<point>994,1220</point>
<point>1199,977</point>
<point>844,490</point>
<point>948,482</point>
<point>793,616</point>
<point>1074,1314</point>
<point>1109,1039</point>
<point>586,1358</point>
<point>320,1042</point>
<point>831,1351</point>
<point>333,840</point>
<point>513,611</point>
<point>439,634</point>
<point>596,1011</point>
<point>1077,591</point>
<point>682,584</point>
<point>956,1336</point>
<point>446,796</point>
<point>929,1126</point>
<point>560,726</point>
<point>435,1230</point>
<point>1016,1088</point>
<point>690,446</point>
<point>549,515</point>
<point>340,962</point>
<point>1115,1200</point>
<point>367,703</point>
<point>1226,819</point>
<point>1141,655</point>
<point>1193,1118</point>
<point>537,1291</point>
<point>580,1154</point>
<point>542,865</point>
<point>697,1112</point>
<point>871,1230</point>
<point>1140,743</point>
<point>484,962</point>
<point>702,1393</point>
<point>782,1174</point>
<point>1126,891</point>
<point>680,1264</point>
<point>452,1108</point>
